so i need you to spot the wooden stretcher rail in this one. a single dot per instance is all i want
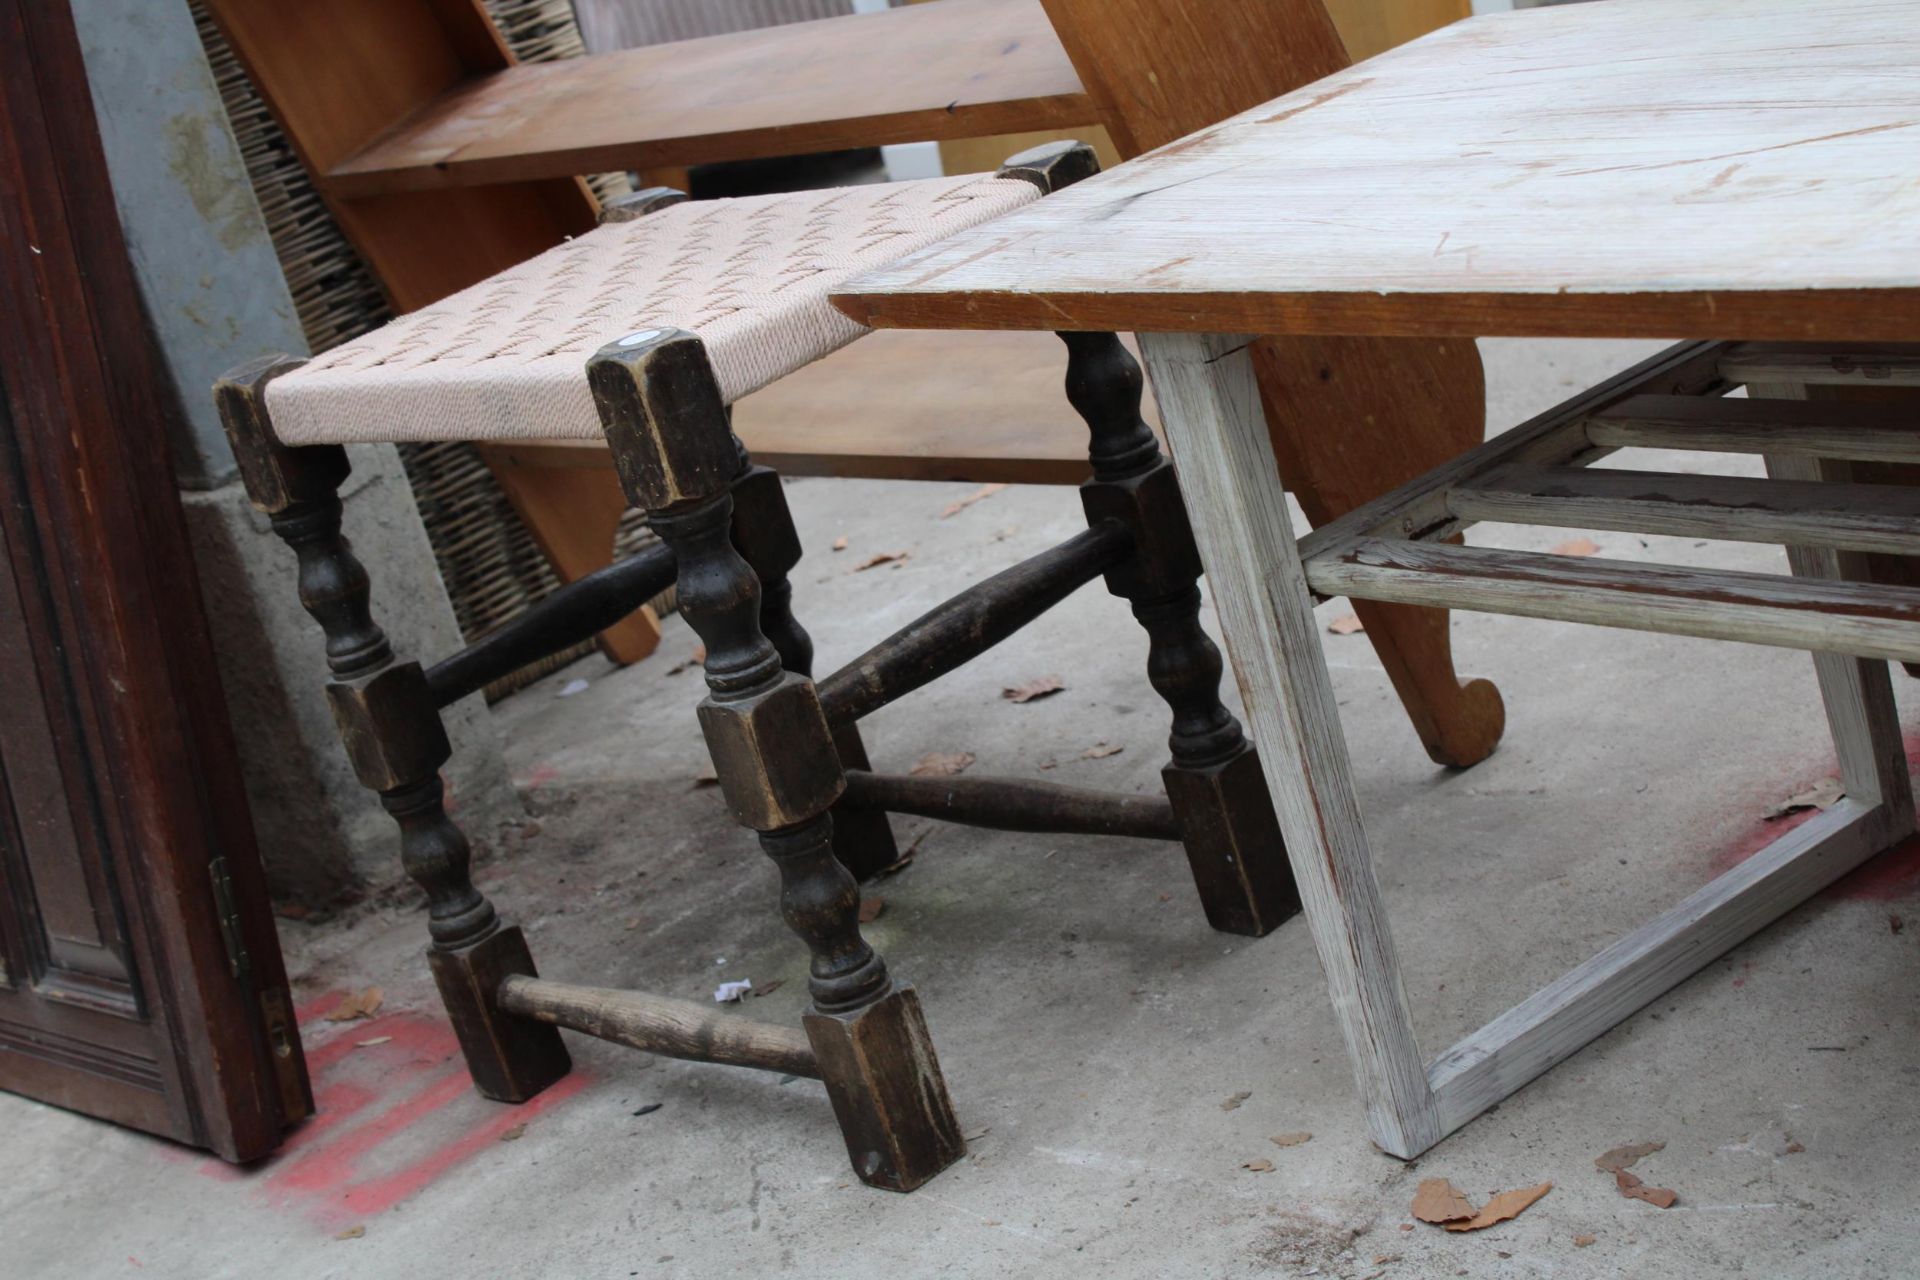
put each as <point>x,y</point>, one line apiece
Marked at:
<point>1845,517</point>
<point>1803,428</point>
<point>1860,619</point>
<point>1590,998</point>
<point>1015,804</point>
<point>1419,507</point>
<point>957,69</point>
<point>656,1024</point>
<point>573,614</point>
<point>1884,365</point>
<point>959,630</point>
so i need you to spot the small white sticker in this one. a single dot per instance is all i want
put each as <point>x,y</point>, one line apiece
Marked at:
<point>635,339</point>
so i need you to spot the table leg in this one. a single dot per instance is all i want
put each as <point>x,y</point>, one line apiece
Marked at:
<point>1210,407</point>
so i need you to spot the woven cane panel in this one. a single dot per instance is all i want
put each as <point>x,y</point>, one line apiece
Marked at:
<point>506,359</point>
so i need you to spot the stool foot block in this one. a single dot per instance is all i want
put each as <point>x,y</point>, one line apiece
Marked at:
<point>511,1058</point>
<point>1233,844</point>
<point>888,1094</point>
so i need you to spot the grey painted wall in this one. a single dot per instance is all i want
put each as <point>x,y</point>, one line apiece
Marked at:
<point>213,288</point>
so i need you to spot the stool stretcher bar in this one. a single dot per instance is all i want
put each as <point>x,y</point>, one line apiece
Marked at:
<point>1015,804</point>
<point>657,1024</point>
<point>960,629</point>
<point>574,613</point>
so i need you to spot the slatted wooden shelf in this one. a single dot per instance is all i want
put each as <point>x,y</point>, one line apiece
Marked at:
<point>957,69</point>
<point>1846,517</point>
<point>1862,619</point>
<point>1799,428</point>
<point>1870,365</point>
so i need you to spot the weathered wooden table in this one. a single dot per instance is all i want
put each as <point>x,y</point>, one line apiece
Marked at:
<point>1642,168</point>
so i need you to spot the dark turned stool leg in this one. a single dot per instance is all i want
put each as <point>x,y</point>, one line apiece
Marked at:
<point>773,753</point>
<point>1218,793</point>
<point>393,735</point>
<point>764,535</point>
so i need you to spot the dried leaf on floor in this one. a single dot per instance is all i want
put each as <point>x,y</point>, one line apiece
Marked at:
<point>840,543</point>
<point>1346,624</point>
<point>351,1233</point>
<point>1233,1103</point>
<point>884,557</point>
<point>1051,763</point>
<point>1895,923</point>
<point>1100,751</point>
<point>770,988</point>
<point>1625,1157</point>
<point>694,659</point>
<point>941,764</point>
<point>1507,1204</point>
<point>1581,1242</point>
<point>1576,547</point>
<point>633,924</point>
<point>977,1134</point>
<point>1290,1139</point>
<point>706,778</point>
<point>984,491</point>
<point>368,1044</point>
<point>649,1109</point>
<point>1633,1189</point>
<point>1258,1166</point>
<point>1437,1200</point>
<point>870,909</point>
<point>1822,795</point>
<point>357,1004</point>
<point>1036,688</point>
<point>514,1134</point>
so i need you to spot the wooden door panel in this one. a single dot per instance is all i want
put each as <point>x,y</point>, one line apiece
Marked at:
<point>140,978</point>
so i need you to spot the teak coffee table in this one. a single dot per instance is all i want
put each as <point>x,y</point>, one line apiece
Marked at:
<point>1640,168</point>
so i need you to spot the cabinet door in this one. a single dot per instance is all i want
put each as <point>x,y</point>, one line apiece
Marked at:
<point>140,977</point>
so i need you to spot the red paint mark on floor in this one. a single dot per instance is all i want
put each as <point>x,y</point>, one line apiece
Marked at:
<point>395,1111</point>
<point>539,776</point>
<point>1887,877</point>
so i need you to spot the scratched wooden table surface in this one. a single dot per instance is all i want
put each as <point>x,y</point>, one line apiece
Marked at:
<point>1643,168</point>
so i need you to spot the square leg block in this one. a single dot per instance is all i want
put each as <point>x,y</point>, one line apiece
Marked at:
<point>511,1058</point>
<point>888,1094</point>
<point>1234,845</point>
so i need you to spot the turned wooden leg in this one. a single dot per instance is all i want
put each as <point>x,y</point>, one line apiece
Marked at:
<point>1218,794</point>
<point>764,535</point>
<point>1349,420</point>
<point>773,753</point>
<point>394,737</point>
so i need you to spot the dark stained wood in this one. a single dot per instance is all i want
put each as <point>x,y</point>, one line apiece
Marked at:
<point>140,975</point>
<point>773,751</point>
<point>657,1024</point>
<point>960,629</point>
<point>1015,804</point>
<point>573,613</point>
<point>390,725</point>
<point>1219,799</point>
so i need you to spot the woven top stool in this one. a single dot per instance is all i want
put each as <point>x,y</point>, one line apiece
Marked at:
<point>646,330</point>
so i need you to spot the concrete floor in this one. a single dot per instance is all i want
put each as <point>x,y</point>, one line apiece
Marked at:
<point>1089,1023</point>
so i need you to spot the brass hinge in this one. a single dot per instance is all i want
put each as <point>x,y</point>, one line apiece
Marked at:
<point>237,962</point>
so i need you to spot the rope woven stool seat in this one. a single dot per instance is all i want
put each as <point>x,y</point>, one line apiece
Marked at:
<point>506,358</point>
